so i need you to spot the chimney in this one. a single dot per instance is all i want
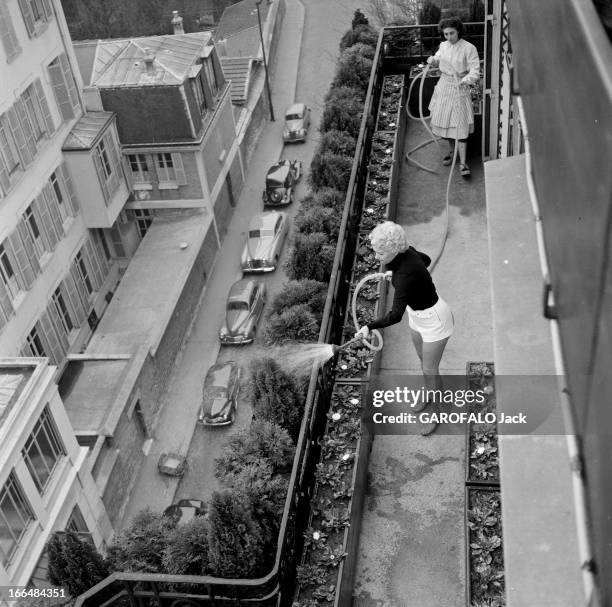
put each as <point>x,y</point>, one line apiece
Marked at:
<point>149,58</point>
<point>177,23</point>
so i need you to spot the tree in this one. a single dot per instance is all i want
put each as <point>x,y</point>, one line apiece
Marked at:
<point>338,142</point>
<point>74,564</point>
<point>295,324</point>
<point>311,256</point>
<point>318,219</point>
<point>363,34</point>
<point>354,67</point>
<point>141,546</point>
<point>330,171</point>
<point>186,552</point>
<point>310,292</point>
<point>235,541</point>
<point>326,198</point>
<point>342,112</point>
<point>276,395</point>
<point>359,19</point>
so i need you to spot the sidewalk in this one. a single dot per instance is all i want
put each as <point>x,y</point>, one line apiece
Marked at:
<point>412,538</point>
<point>177,420</point>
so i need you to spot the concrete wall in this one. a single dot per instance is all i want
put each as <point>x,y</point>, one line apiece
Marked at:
<point>219,139</point>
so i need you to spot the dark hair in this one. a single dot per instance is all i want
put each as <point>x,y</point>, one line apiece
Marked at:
<point>453,22</point>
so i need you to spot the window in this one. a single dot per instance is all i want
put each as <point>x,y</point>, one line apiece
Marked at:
<point>33,113</point>
<point>35,343</point>
<point>7,33</point>
<point>143,219</point>
<point>34,232</point>
<point>7,274</point>
<point>35,14</point>
<point>139,167</point>
<point>43,450</point>
<point>64,87</point>
<point>84,274</point>
<point>106,161</point>
<point>10,162</point>
<point>210,76</point>
<point>62,310</point>
<point>106,165</point>
<point>165,167</point>
<point>59,196</point>
<point>15,516</point>
<point>198,91</point>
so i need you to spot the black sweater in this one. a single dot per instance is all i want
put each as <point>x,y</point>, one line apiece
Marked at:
<point>413,286</point>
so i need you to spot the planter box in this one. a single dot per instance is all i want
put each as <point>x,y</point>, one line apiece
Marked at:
<point>479,542</point>
<point>390,103</point>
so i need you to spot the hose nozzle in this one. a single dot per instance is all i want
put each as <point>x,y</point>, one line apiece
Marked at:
<point>346,345</point>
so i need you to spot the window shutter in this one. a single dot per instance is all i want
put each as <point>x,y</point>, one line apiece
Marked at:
<point>99,251</point>
<point>77,310</point>
<point>179,171</point>
<point>25,272</point>
<point>28,17</point>
<point>71,196</point>
<point>7,33</point>
<point>19,136</point>
<point>44,108</point>
<point>60,91</point>
<point>28,243</point>
<point>101,175</point>
<point>26,126</point>
<point>47,229</point>
<point>5,180</point>
<point>69,80</point>
<point>47,10</point>
<point>50,339</point>
<point>92,262</point>
<point>6,307</point>
<point>80,287</point>
<point>54,212</point>
<point>60,330</point>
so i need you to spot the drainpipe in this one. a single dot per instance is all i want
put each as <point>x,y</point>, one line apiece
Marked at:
<point>576,462</point>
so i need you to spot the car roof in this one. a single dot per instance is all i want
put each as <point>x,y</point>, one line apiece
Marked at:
<point>264,220</point>
<point>296,108</point>
<point>219,374</point>
<point>241,290</point>
<point>279,171</point>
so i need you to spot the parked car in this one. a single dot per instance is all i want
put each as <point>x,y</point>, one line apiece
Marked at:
<point>297,120</point>
<point>220,394</point>
<point>280,181</point>
<point>185,510</point>
<point>172,464</point>
<point>267,232</point>
<point>243,309</point>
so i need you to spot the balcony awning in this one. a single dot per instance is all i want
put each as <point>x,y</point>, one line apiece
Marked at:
<point>86,132</point>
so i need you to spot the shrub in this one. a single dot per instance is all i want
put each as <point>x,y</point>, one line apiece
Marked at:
<point>74,564</point>
<point>354,67</point>
<point>318,219</point>
<point>310,292</point>
<point>312,256</point>
<point>187,550</point>
<point>326,198</point>
<point>330,171</point>
<point>343,109</point>
<point>363,34</point>
<point>141,546</point>
<point>266,444</point>
<point>235,541</point>
<point>276,395</point>
<point>297,324</point>
<point>337,142</point>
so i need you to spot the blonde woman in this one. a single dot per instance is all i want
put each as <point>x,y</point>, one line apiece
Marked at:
<point>429,316</point>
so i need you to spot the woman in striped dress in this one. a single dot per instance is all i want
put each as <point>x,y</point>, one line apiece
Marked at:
<point>451,110</point>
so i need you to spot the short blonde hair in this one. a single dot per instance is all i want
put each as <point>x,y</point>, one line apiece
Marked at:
<point>389,238</point>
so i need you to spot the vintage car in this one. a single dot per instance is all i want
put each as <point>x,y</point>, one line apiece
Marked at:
<point>220,394</point>
<point>267,232</point>
<point>244,306</point>
<point>280,181</point>
<point>185,510</point>
<point>297,120</point>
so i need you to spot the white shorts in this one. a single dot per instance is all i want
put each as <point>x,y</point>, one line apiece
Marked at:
<point>433,323</point>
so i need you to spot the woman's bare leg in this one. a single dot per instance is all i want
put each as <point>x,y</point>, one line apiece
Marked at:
<point>432,355</point>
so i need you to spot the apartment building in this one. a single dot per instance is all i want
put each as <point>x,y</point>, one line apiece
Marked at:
<point>45,482</point>
<point>54,272</point>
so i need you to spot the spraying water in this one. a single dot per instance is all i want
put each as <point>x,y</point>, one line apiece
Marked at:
<point>299,358</point>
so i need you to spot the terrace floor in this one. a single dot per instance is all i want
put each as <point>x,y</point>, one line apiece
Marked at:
<point>412,539</point>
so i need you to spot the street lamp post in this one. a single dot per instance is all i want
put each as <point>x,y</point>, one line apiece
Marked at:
<point>263,52</point>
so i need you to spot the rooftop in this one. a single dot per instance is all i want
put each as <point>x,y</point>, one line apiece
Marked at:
<point>238,71</point>
<point>86,131</point>
<point>147,61</point>
<point>13,380</point>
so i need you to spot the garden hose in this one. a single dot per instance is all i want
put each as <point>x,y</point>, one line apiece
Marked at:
<point>376,333</point>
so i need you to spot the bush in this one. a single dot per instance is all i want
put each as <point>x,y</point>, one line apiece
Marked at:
<point>266,444</point>
<point>343,109</point>
<point>359,19</point>
<point>312,256</point>
<point>362,34</point>
<point>310,292</point>
<point>295,324</point>
<point>330,171</point>
<point>318,219</point>
<point>74,564</point>
<point>141,546</point>
<point>354,67</point>
<point>187,549</point>
<point>326,198</point>
<point>276,395</point>
<point>235,541</point>
<point>337,142</point>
